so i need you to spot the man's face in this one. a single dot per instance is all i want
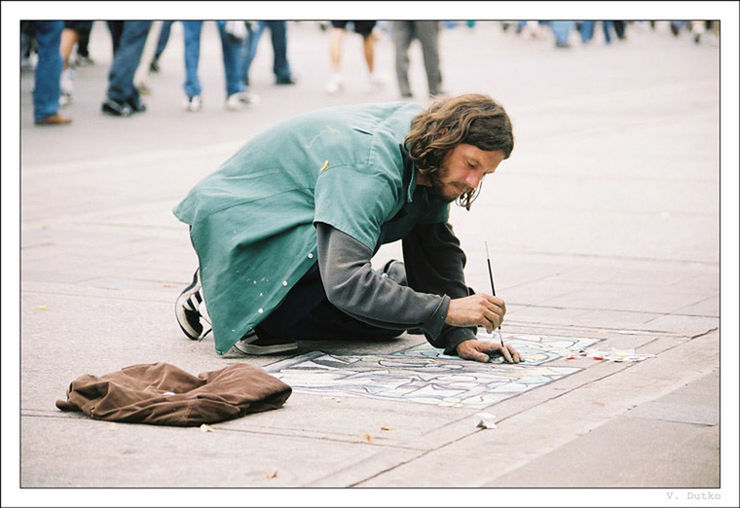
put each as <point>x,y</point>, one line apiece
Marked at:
<point>462,170</point>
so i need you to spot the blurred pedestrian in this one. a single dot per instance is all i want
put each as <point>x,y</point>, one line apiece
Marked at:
<point>83,52</point>
<point>279,40</point>
<point>336,39</point>
<point>233,35</point>
<point>48,36</point>
<point>28,46</point>
<point>697,30</point>
<point>427,33</point>
<point>122,97</point>
<point>164,37</point>
<point>561,30</point>
<point>531,29</point>
<point>70,37</point>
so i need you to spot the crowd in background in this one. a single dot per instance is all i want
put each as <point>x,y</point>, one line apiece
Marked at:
<point>54,48</point>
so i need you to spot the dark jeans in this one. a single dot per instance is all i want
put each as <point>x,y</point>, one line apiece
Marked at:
<point>164,37</point>
<point>279,39</point>
<point>128,45</point>
<point>306,313</point>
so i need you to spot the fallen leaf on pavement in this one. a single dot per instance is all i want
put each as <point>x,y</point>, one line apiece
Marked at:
<point>272,475</point>
<point>366,437</point>
<point>42,307</point>
<point>386,428</point>
<point>206,428</point>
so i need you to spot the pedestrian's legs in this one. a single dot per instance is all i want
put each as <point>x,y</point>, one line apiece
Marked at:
<point>620,28</point>
<point>84,40</point>
<point>164,37</point>
<point>126,60</point>
<point>428,34</point>
<point>587,31</point>
<point>607,25</point>
<point>561,30</point>
<point>279,37</point>
<point>48,69</point>
<point>403,34</point>
<point>252,42</point>
<point>368,49</point>
<point>116,29</point>
<point>335,48</point>
<point>697,30</point>
<point>191,32</point>
<point>27,36</point>
<point>233,56</point>
<point>67,44</point>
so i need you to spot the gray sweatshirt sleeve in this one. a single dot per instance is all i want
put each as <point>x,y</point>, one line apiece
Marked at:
<point>434,264</point>
<point>352,286</point>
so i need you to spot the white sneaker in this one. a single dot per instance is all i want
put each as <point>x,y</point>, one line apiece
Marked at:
<point>193,104</point>
<point>65,100</point>
<point>376,79</point>
<point>249,97</point>
<point>234,102</point>
<point>375,83</point>
<point>335,84</point>
<point>65,82</point>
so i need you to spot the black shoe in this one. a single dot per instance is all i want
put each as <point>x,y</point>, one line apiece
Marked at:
<point>115,108</point>
<point>187,309</point>
<point>136,105</point>
<point>396,271</point>
<point>290,80</point>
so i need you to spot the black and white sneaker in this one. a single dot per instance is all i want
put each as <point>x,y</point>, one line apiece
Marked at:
<point>251,344</point>
<point>116,108</point>
<point>189,310</point>
<point>396,271</point>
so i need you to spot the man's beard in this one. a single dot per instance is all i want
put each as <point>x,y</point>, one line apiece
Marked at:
<point>438,186</point>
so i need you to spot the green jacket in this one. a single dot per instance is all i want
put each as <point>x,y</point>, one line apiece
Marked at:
<point>252,220</point>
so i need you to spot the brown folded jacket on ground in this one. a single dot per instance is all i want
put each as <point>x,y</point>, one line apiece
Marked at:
<point>162,394</point>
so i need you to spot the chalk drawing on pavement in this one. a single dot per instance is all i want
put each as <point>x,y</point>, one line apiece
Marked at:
<point>423,374</point>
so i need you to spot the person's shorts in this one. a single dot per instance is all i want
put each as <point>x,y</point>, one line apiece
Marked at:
<point>79,26</point>
<point>361,27</point>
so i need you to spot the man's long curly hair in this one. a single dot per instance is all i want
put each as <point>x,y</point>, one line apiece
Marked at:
<point>473,119</point>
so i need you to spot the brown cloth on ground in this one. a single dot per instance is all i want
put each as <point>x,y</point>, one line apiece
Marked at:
<point>162,394</point>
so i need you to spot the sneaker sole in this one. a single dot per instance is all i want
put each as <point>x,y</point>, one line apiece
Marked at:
<point>180,311</point>
<point>251,349</point>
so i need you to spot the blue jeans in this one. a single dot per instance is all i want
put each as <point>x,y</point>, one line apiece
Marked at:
<point>48,68</point>
<point>126,60</point>
<point>587,30</point>
<point>561,30</point>
<point>279,39</point>
<point>164,36</point>
<point>234,55</point>
<point>191,31</point>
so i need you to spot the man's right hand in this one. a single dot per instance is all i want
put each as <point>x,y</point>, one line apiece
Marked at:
<point>476,310</point>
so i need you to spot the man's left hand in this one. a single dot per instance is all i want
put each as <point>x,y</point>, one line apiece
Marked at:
<point>483,350</point>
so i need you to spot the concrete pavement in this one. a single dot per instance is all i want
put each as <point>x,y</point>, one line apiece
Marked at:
<point>603,224</point>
